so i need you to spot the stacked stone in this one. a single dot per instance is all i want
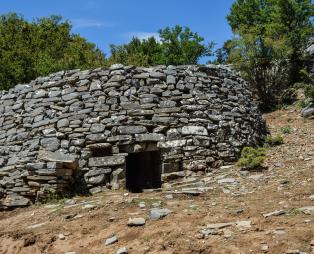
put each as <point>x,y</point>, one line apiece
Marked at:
<point>195,115</point>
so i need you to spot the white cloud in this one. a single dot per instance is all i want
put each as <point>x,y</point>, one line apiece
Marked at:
<point>86,23</point>
<point>142,35</point>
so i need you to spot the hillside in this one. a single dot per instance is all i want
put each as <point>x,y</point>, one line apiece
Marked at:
<point>233,214</point>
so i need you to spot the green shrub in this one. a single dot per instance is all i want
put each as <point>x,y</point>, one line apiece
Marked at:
<point>303,103</point>
<point>274,140</point>
<point>251,158</point>
<point>309,91</point>
<point>286,130</point>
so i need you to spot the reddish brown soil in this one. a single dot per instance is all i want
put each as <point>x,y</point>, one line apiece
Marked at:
<point>286,185</point>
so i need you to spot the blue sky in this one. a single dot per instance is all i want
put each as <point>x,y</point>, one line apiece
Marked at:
<point>116,21</point>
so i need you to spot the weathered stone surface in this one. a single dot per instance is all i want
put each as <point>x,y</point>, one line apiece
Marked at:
<point>172,144</point>
<point>111,240</point>
<point>50,144</point>
<point>122,250</point>
<point>68,161</point>
<point>97,128</point>
<point>63,123</point>
<point>194,130</point>
<point>136,222</point>
<point>125,130</point>
<point>152,137</point>
<point>15,201</point>
<point>106,161</point>
<point>87,120</point>
<point>158,213</point>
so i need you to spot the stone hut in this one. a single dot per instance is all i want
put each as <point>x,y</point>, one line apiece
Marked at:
<point>87,131</point>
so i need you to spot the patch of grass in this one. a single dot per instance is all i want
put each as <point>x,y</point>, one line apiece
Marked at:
<point>51,197</point>
<point>251,158</point>
<point>295,211</point>
<point>286,130</point>
<point>282,106</point>
<point>274,140</point>
<point>148,201</point>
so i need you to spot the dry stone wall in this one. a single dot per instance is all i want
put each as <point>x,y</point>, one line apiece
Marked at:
<point>74,130</point>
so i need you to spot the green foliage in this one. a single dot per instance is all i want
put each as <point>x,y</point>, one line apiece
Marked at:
<point>270,36</point>
<point>274,140</point>
<point>307,84</point>
<point>302,103</point>
<point>46,45</point>
<point>251,158</point>
<point>177,46</point>
<point>286,130</point>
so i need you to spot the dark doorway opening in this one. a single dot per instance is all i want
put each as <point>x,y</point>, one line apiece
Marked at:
<point>143,171</point>
<point>101,151</point>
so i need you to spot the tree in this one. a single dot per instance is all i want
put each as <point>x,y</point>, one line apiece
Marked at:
<point>136,52</point>
<point>270,36</point>
<point>177,46</point>
<point>46,45</point>
<point>181,46</point>
<point>222,54</point>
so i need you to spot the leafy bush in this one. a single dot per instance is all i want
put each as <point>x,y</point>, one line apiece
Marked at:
<point>274,140</point>
<point>286,130</point>
<point>309,91</point>
<point>251,158</point>
<point>303,103</point>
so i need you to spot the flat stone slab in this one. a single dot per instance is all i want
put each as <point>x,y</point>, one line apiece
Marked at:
<point>194,130</point>
<point>69,161</point>
<point>122,250</point>
<point>15,201</point>
<point>307,210</point>
<point>111,240</point>
<point>107,161</point>
<point>158,213</point>
<point>136,222</point>
<point>275,213</point>
<point>219,225</point>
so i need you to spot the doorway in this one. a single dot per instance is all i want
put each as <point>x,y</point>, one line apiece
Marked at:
<point>143,171</point>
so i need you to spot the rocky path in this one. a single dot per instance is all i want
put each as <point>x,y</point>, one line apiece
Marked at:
<point>226,211</point>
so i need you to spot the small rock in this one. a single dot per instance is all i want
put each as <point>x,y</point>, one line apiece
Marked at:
<point>61,237</point>
<point>158,213</point>
<point>36,225</point>
<point>275,213</point>
<point>111,240</point>
<point>122,250</point>
<point>243,224</point>
<point>307,210</point>
<point>141,205</point>
<point>206,232</point>
<point>89,206</point>
<point>311,197</point>
<point>111,219</point>
<point>136,222</point>
<point>219,225</point>
<point>293,252</point>
<point>169,196</point>
<point>227,233</point>
<point>264,248</point>
<point>70,202</point>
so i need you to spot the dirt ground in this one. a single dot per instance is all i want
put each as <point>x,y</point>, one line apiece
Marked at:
<point>286,185</point>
